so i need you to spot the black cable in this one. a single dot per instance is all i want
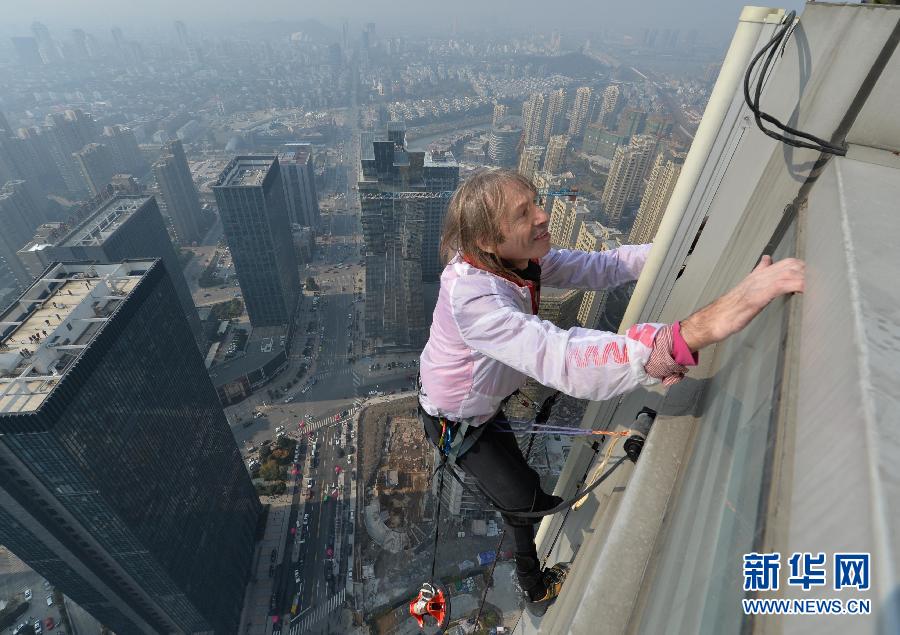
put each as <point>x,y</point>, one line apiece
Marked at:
<point>437,527</point>
<point>596,448</point>
<point>780,38</point>
<point>542,417</point>
<point>547,512</point>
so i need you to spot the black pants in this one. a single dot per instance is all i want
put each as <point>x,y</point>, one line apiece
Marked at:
<point>507,480</point>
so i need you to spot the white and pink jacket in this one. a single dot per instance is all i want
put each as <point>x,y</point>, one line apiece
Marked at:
<point>486,340</point>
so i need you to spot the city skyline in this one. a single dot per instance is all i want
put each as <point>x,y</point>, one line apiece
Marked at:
<point>579,16</point>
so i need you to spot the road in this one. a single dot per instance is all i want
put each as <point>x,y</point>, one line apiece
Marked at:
<point>15,578</point>
<point>328,340</point>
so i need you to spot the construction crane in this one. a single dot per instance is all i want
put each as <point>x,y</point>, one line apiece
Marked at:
<point>571,194</point>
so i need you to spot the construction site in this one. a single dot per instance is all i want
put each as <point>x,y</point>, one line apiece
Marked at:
<point>395,523</point>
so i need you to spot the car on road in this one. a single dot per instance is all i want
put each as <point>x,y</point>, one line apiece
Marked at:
<point>38,628</point>
<point>49,624</point>
<point>49,600</point>
<point>28,594</point>
<point>296,576</point>
<point>273,555</point>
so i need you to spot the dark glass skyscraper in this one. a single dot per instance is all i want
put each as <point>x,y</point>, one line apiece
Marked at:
<point>254,216</point>
<point>120,228</point>
<point>173,174</point>
<point>122,483</point>
<point>299,180</point>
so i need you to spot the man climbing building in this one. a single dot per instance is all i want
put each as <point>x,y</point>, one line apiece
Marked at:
<point>486,339</point>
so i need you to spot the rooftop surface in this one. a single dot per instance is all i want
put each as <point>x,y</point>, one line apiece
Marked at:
<point>51,325</point>
<point>104,222</point>
<point>246,171</point>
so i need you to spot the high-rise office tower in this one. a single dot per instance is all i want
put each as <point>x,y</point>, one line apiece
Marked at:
<point>118,228</point>
<point>27,50</point>
<point>555,159</point>
<point>80,45</point>
<point>179,192</point>
<point>500,111</point>
<point>594,237</point>
<point>19,216</point>
<point>299,180</point>
<point>118,39</point>
<point>96,164</point>
<point>67,133</point>
<point>580,111</point>
<point>182,34</point>
<point>533,114</point>
<point>565,221</point>
<point>663,176</point>
<point>126,154</point>
<point>19,213</point>
<point>556,108</point>
<point>401,219</point>
<point>122,483</point>
<point>35,147</point>
<point>503,143</point>
<point>250,195</point>
<point>608,105</point>
<point>530,161</point>
<point>18,161</point>
<point>47,47</point>
<point>626,177</point>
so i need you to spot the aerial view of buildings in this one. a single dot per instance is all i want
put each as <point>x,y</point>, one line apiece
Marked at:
<point>220,254</point>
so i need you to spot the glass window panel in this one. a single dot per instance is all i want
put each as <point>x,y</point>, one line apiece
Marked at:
<point>698,584</point>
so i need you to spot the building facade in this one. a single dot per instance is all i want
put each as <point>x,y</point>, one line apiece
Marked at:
<point>173,175</point>
<point>592,236</point>
<point>533,114</point>
<point>556,109</point>
<point>95,163</point>
<point>403,202</point>
<point>299,180</point>
<point>122,485</point>
<point>123,145</point>
<point>626,177</point>
<point>119,228</point>
<point>608,105</point>
<point>565,221</point>
<point>531,161</point>
<point>580,111</point>
<point>660,184</point>
<point>19,216</point>
<point>503,143</point>
<point>555,160</point>
<point>250,194</point>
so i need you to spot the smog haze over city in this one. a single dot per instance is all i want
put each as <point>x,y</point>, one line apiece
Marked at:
<point>432,17</point>
<point>220,230</point>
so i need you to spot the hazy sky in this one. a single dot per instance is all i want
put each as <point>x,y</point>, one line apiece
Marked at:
<point>390,16</point>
